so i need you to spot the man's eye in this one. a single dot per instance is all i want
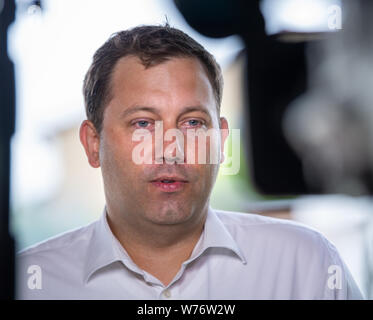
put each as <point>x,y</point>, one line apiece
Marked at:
<point>142,123</point>
<point>194,122</point>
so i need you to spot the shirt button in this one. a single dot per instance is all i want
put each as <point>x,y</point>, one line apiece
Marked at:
<point>167,293</point>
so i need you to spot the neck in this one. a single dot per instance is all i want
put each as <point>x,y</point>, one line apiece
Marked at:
<point>156,248</point>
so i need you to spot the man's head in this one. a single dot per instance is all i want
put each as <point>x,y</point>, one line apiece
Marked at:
<point>139,77</point>
<point>152,45</point>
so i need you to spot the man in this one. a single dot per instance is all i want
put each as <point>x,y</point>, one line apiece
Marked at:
<point>158,238</point>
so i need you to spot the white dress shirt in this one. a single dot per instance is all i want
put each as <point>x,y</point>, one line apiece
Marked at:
<point>238,256</point>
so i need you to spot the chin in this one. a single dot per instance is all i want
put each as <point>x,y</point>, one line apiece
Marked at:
<point>169,216</point>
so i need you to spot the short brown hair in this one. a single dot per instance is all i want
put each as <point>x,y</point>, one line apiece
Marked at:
<point>152,45</point>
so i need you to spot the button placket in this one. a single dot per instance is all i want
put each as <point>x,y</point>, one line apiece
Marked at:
<point>166,293</point>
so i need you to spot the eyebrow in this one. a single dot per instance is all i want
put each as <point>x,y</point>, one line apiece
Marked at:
<point>185,110</point>
<point>194,109</point>
<point>135,109</point>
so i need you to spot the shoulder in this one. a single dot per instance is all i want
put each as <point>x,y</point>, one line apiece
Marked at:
<point>273,232</point>
<point>232,219</point>
<point>53,265</point>
<point>66,245</point>
<point>293,250</point>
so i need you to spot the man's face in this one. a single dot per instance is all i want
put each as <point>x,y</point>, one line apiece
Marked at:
<point>178,93</point>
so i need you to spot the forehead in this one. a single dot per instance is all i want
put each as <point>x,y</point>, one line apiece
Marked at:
<point>175,83</point>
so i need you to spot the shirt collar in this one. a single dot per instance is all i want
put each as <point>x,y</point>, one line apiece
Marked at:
<point>104,248</point>
<point>215,235</point>
<point>101,248</point>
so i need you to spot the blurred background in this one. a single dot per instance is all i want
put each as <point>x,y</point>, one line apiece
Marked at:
<point>53,188</point>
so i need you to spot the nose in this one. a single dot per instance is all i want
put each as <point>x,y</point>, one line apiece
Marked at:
<point>173,146</point>
<point>169,144</point>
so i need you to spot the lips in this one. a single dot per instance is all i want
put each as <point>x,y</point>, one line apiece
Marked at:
<point>169,183</point>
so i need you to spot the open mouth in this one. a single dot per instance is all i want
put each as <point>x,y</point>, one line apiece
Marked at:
<point>169,185</point>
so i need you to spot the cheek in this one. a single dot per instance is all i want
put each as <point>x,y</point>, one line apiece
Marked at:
<point>204,176</point>
<point>115,154</point>
<point>202,150</point>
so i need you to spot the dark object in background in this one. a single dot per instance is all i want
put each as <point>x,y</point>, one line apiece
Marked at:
<point>276,74</point>
<point>7,99</point>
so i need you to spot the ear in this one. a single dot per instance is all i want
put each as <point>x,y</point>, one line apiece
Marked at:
<point>224,133</point>
<point>90,140</point>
